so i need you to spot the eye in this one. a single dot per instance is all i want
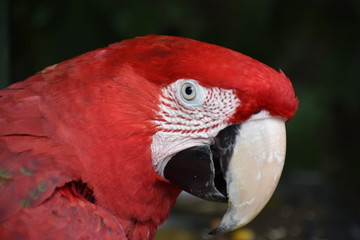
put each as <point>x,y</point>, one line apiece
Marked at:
<point>188,91</point>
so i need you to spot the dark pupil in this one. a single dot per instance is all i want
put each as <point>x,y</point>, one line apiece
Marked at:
<point>188,90</point>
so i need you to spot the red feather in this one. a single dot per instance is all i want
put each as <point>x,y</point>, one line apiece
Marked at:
<point>62,218</point>
<point>87,118</point>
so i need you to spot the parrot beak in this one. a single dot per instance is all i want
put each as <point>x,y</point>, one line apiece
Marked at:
<point>242,167</point>
<point>254,170</point>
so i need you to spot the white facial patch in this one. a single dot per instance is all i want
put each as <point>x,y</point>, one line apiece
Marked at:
<point>189,115</point>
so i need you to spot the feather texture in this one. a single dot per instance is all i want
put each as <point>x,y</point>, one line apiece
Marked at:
<point>62,218</point>
<point>89,118</point>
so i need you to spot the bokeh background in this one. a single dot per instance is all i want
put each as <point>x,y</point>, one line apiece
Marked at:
<point>316,43</point>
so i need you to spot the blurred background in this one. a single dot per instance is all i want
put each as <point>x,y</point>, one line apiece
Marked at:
<point>316,43</point>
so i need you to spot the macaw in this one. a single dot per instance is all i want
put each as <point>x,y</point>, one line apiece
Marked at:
<point>100,146</point>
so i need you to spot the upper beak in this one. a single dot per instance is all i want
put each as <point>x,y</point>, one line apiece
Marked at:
<point>242,167</point>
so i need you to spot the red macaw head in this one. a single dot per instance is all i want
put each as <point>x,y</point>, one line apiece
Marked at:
<point>219,119</point>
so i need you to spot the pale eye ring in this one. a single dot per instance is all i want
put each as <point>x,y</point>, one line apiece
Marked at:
<point>188,91</point>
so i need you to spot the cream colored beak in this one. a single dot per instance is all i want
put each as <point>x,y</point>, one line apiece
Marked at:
<point>254,169</point>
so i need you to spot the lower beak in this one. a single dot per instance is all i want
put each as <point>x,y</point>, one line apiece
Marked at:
<point>242,167</point>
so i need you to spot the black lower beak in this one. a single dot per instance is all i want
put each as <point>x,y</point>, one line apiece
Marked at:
<point>201,170</point>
